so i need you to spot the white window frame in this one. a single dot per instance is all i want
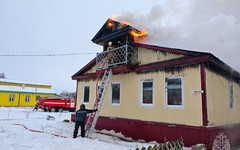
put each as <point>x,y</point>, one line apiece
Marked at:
<point>27,98</point>
<point>166,94</point>
<point>140,97</point>
<point>83,93</point>
<point>11,97</point>
<point>115,104</point>
<point>231,95</point>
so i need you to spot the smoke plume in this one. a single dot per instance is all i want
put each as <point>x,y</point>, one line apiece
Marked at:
<point>209,26</point>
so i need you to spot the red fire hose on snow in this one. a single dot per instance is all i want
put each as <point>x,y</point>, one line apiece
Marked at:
<point>40,131</point>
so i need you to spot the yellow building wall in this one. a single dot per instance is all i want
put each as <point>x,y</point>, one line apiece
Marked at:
<point>92,70</point>
<point>219,111</point>
<point>146,56</point>
<point>4,99</point>
<point>129,105</point>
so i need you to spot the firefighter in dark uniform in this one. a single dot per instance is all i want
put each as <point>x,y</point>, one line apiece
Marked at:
<point>80,120</point>
<point>36,107</point>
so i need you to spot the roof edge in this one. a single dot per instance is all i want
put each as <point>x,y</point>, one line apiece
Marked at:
<point>149,67</point>
<point>171,50</point>
<point>13,81</point>
<point>172,63</point>
<point>197,57</point>
<point>85,68</point>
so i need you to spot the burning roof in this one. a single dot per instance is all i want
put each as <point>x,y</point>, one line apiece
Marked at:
<point>114,30</point>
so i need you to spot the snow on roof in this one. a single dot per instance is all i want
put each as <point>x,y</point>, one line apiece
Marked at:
<point>8,88</point>
<point>22,82</point>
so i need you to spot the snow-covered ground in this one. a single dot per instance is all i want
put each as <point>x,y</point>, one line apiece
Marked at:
<point>13,135</point>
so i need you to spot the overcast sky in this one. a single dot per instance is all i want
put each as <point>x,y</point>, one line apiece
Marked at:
<point>67,26</point>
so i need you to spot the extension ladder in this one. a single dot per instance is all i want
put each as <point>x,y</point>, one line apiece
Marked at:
<point>92,119</point>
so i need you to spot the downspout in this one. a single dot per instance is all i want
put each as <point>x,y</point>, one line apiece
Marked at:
<point>204,96</point>
<point>76,97</point>
<point>19,100</point>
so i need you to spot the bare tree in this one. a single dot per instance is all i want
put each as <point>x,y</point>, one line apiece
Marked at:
<point>68,94</point>
<point>2,75</point>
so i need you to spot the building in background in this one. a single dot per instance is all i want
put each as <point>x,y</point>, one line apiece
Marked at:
<point>159,93</point>
<point>22,93</point>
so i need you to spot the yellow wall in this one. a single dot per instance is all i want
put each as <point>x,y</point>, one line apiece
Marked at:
<point>219,111</point>
<point>129,107</point>
<point>146,56</point>
<point>26,85</point>
<point>218,108</point>
<point>4,99</point>
<point>92,70</point>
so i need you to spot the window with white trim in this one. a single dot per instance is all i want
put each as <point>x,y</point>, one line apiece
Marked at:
<point>27,98</point>
<point>230,91</point>
<point>146,87</point>
<point>174,97</point>
<point>86,93</point>
<point>115,96</point>
<point>11,97</point>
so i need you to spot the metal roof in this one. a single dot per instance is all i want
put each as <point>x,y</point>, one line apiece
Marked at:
<point>3,80</point>
<point>20,89</point>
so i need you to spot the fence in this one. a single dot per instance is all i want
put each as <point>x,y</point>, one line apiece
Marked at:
<point>119,56</point>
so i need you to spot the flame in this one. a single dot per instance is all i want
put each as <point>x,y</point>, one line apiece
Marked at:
<point>110,23</point>
<point>136,33</point>
<point>124,23</point>
<point>113,17</point>
<point>111,20</point>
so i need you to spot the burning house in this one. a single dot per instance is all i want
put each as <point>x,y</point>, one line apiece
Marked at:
<point>159,93</point>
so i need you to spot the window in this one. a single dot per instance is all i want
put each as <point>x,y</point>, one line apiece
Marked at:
<point>174,92</point>
<point>11,98</point>
<point>115,93</point>
<point>146,87</point>
<point>230,91</point>
<point>86,93</point>
<point>37,98</point>
<point>27,98</point>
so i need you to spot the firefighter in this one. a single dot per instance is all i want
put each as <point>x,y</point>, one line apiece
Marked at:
<point>36,107</point>
<point>110,46</point>
<point>80,120</point>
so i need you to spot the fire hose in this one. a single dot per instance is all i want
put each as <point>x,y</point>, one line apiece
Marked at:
<point>39,131</point>
<point>97,91</point>
<point>93,114</point>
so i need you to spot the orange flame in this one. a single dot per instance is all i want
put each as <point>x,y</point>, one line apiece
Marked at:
<point>113,17</point>
<point>138,33</point>
<point>111,20</point>
<point>110,23</point>
<point>124,23</point>
<point>134,33</point>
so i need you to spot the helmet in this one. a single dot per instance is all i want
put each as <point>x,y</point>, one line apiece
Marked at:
<point>82,106</point>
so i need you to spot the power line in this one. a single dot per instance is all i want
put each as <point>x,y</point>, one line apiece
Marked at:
<point>43,55</point>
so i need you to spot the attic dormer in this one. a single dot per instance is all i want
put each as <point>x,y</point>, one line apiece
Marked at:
<point>117,39</point>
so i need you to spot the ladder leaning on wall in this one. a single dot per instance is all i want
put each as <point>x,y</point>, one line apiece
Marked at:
<point>101,91</point>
